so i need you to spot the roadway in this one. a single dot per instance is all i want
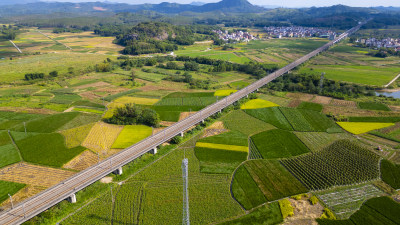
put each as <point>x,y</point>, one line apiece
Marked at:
<point>50,197</point>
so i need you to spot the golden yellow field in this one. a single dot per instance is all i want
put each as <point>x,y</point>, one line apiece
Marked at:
<point>222,146</point>
<point>75,136</point>
<point>136,100</point>
<point>257,104</point>
<point>362,127</point>
<point>82,161</point>
<point>25,173</point>
<point>101,137</point>
<point>224,92</point>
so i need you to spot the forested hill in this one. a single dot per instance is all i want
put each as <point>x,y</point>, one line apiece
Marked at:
<point>242,6</point>
<point>156,37</point>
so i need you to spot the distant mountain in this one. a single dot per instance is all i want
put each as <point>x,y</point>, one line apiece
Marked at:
<point>198,3</point>
<point>238,6</point>
<point>230,6</point>
<point>14,2</point>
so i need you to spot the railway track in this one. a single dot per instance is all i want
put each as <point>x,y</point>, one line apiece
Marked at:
<point>48,198</point>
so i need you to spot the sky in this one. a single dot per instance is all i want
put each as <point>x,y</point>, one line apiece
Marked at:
<point>283,3</point>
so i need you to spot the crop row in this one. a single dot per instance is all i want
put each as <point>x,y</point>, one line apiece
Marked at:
<point>342,163</point>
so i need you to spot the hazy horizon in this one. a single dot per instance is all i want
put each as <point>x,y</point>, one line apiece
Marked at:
<point>287,3</point>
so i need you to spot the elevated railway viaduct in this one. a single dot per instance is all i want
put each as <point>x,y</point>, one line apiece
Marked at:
<point>67,189</point>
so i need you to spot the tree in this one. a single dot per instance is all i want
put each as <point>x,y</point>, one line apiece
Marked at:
<point>53,73</point>
<point>130,114</point>
<point>191,66</point>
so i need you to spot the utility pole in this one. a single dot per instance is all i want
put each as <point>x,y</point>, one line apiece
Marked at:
<point>25,127</point>
<point>185,216</point>
<point>12,205</point>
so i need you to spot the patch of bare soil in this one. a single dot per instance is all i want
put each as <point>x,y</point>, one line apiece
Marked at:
<point>106,180</point>
<point>338,102</point>
<point>166,123</point>
<point>394,107</point>
<point>217,125</point>
<point>21,195</point>
<point>348,111</point>
<point>89,95</point>
<point>82,161</point>
<point>185,115</point>
<point>158,130</point>
<point>34,175</point>
<point>112,89</point>
<point>322,100</point>
<point>213,132</point>
<point>97,84</point>
<point>294,103</point>
<point>27,110</point>
<point>300,96</point>
<point>304,213</point>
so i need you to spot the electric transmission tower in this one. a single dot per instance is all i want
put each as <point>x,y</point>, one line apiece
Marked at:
<point>185,218</point>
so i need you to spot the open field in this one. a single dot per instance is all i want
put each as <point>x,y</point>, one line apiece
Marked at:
<point>101,137</point>
<point>221,153</point>
<point>34,175</point>
<point>257,104</point>
<point>369,75</point>
<point>379,211</point>
<point>8,155</point>
<point>82,161</point>
<point>276,143</point>
<point>224,92</point>
<point>373,106</point>
<point>311,106</point>
<point>242,122</point>
<point>12,70</point>
<point>362,127</point>
<point>47,149</point>
<point>342,163</point>
<point>316,141</point>
<point>75,136</point>
<point>258,181</point>
<point>308,120</point>
<point>390,173</point>
<point>131,134</point>
<point>49,124</point>
<point>272,116</point>
<point>7,187</point>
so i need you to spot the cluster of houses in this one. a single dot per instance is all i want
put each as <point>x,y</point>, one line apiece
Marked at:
<point>299,32</point>
<point>238,36</point>
<point>380,43</point>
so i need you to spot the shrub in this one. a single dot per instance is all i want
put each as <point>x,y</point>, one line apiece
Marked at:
<point>313,200</point>
<point>176,140</point>
<point>328,214</point>
<point>286,208</point>
<point>131,114</point>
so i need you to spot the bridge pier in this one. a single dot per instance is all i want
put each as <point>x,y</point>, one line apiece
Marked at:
<point>118,171</point>
<point>153,151</point>
<point>72,198</point>
<point>181,134</point>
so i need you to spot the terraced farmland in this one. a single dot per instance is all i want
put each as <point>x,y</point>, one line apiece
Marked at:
<point>342,163</point>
